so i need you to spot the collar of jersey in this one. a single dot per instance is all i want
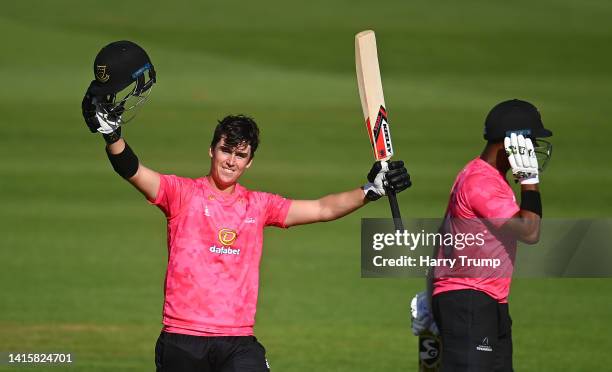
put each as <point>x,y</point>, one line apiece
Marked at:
<point>219,195</point>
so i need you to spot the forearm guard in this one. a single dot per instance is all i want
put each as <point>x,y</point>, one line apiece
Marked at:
<point>531,201</point>
<point>125,163</point>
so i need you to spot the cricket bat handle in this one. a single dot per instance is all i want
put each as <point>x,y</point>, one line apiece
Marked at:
<point>430,352</point>
<point>395,211</point>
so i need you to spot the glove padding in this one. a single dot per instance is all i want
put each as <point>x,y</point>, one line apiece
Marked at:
<point>386,175</point>
<point>421,315</point>
<point>97,121</point>
<point>522,159</point>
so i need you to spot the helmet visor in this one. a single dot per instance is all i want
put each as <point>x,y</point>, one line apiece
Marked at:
<point>125,104</point>
<point>543,151</point>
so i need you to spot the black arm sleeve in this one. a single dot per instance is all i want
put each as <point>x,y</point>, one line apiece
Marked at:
<point>125,163</point>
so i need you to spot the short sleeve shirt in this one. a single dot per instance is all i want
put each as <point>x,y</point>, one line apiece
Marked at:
<point>481,192</point>
<point>214,248</point>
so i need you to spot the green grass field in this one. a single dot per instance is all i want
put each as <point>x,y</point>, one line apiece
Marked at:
<point>83,255</point>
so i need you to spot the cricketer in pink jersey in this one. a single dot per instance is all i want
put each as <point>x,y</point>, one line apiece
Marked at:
<point>470,304</point>
<point>223,233</point>
<point>480,192</point>
<point>215,239</point>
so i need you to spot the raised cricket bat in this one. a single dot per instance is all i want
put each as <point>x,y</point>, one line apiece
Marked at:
<point>375,116</point>
<point>374,109</point>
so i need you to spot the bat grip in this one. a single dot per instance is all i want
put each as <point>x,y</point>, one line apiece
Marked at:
<point>395,211</point>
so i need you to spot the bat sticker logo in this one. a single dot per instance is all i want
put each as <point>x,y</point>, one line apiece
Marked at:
<point>430,350</point>
<point>385,148</point>
<point>381,119</point>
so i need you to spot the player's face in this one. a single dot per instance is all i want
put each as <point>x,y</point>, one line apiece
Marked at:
<point>228,164</point>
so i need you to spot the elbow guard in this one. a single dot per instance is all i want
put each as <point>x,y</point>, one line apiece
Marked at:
<point>125,163</point>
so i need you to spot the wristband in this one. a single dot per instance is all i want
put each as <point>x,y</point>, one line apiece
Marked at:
<point>125,163</point>
<point>112,137</point>
<point>531,201</point>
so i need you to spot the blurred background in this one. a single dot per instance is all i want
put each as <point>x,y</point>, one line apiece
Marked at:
<point>83,255</point>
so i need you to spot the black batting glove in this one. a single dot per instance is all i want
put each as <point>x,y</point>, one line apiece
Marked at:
<point>397,177</point>
<point>386,175</point>
<point>91,117</point>
<point>88,109</point>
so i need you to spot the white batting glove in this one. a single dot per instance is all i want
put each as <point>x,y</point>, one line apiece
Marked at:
<point>522,158</point>
<point>107,126</point>
<point>375,189</point>
<point>421,315</point>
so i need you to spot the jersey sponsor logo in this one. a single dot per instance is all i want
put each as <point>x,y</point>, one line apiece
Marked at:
<point>484,345</point>
<point>227,236</point>
<point>224,250</point>
<point>101,74</point>
<point>249,220</point>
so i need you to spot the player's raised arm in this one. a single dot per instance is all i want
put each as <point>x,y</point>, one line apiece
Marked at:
<point>382,177</point>
<point>120,87</point>
<point>524,164</point>
<point>127,165</point>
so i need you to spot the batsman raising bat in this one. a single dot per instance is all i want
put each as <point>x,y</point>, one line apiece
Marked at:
<point>214,224</point>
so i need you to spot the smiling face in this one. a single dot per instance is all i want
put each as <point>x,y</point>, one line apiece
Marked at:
<point>231,150</point>
<point>228,163</point>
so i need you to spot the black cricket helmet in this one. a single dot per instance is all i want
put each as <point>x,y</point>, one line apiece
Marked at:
<point>121,85</point>
<point>520,117</point>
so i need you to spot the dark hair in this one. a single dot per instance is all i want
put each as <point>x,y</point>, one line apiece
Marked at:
<point>237,130</point>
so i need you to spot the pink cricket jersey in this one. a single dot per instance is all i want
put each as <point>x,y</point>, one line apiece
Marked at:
<point>481,192</point>
<point>214,249</point>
